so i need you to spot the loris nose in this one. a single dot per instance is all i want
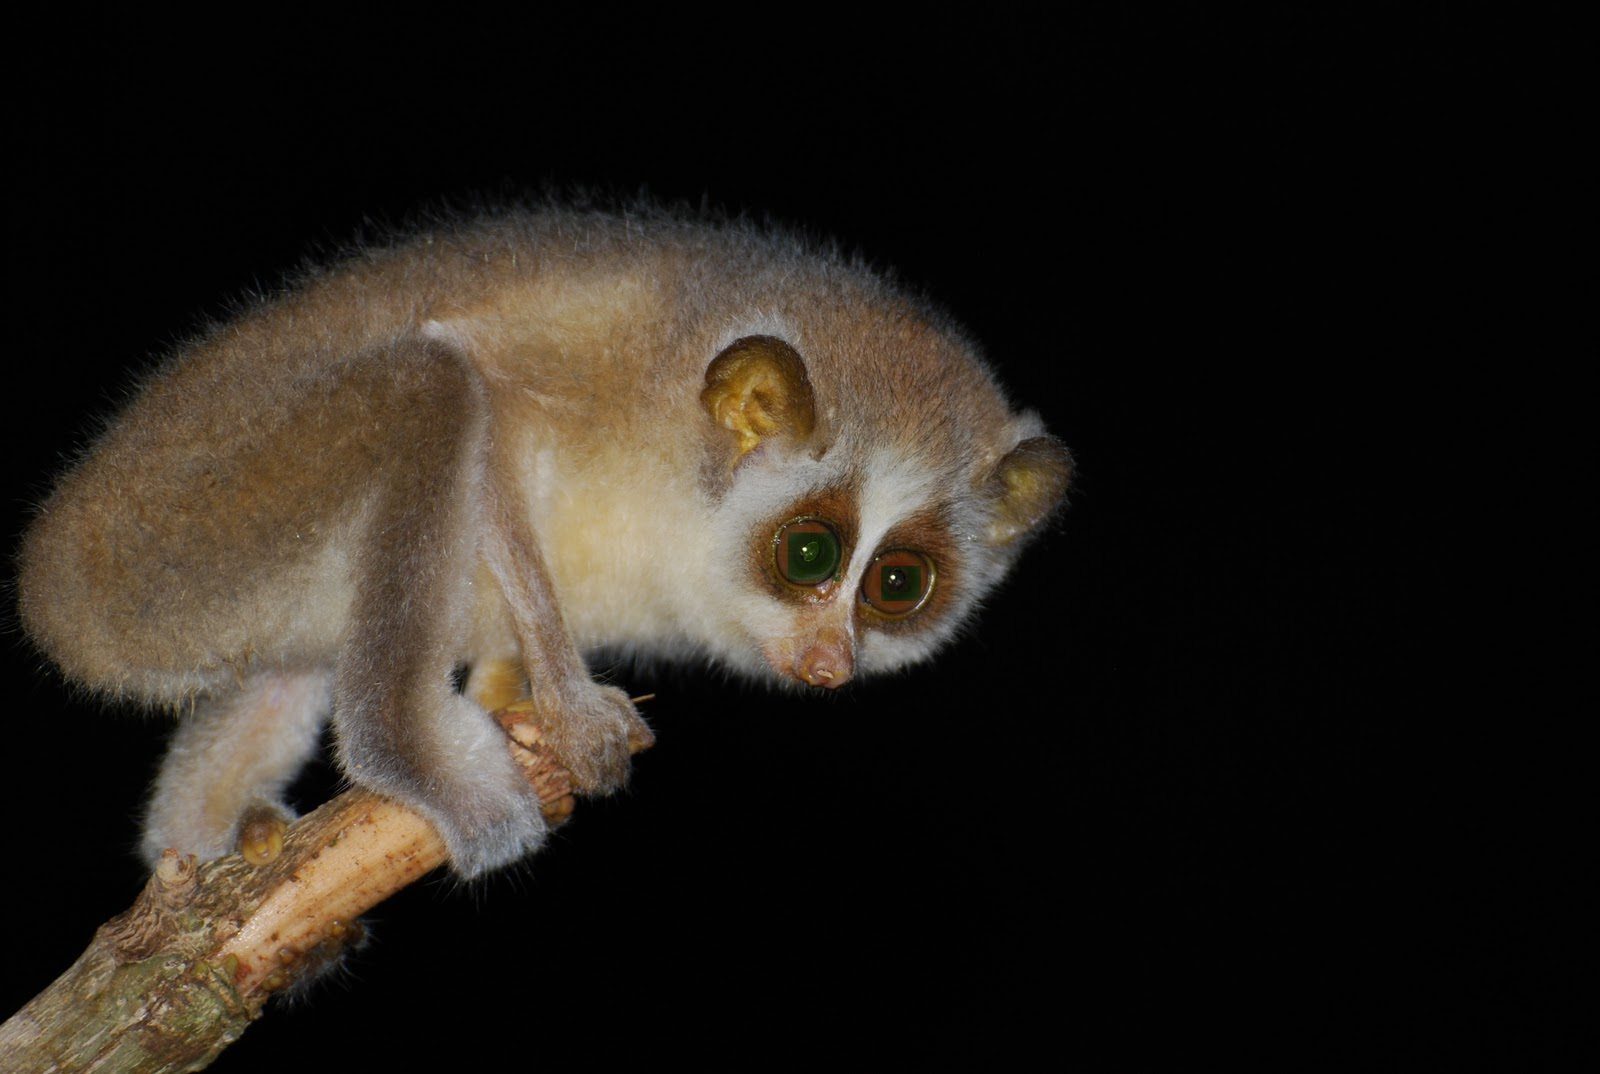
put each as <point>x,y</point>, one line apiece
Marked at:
<point>829,661</point>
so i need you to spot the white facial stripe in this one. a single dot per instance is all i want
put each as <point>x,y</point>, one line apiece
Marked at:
<point>895,488</point>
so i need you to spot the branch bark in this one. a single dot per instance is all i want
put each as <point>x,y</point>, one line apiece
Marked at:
<point>175,979</point>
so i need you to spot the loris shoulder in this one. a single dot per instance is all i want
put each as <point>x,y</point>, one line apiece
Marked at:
<point>499,445</point>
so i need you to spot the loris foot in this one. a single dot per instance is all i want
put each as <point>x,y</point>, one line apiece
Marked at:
<point>550,781</point>
<point>299,971</point>
<point>473,793</point>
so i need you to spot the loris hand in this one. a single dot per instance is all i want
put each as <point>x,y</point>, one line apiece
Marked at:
<point>593,735</point>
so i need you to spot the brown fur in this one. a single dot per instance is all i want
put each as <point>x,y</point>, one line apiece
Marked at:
<point>453,451</point>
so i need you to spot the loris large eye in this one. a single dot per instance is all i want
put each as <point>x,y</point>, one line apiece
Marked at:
<point>898,582</point>
<point>807,552</point>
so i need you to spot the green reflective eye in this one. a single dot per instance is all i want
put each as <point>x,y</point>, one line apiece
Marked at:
<point>898,582</point>
<point>808,552</point>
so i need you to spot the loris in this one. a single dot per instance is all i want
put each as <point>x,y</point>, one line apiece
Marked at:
<point>499,445</point>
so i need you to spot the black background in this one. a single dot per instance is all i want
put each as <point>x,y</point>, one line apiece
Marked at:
<point>1145,809</point>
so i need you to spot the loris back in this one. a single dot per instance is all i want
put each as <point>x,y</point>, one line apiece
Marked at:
<point>499,445</point>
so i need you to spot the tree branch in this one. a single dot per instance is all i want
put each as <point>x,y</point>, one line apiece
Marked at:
<point>175,979</point>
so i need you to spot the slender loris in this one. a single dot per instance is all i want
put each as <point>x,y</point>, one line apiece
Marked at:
<point>499,445</point>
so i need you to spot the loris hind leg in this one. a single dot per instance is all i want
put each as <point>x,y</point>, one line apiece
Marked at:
<point>235,755</point>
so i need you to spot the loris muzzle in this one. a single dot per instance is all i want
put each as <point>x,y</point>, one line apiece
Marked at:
<point>500,445</point>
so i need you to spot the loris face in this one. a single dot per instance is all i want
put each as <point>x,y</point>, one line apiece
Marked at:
<point>863,554</point>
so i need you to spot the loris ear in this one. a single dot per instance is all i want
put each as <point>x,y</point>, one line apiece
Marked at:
<point>758,388</point>
<point>1027,486</point>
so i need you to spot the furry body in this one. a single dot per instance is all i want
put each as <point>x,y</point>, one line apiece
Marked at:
<point>500,443</point>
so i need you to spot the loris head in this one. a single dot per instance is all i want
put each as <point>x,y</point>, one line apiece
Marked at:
<point>871,486</point>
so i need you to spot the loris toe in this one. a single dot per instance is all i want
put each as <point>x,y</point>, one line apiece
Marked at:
<point>261,831</point>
